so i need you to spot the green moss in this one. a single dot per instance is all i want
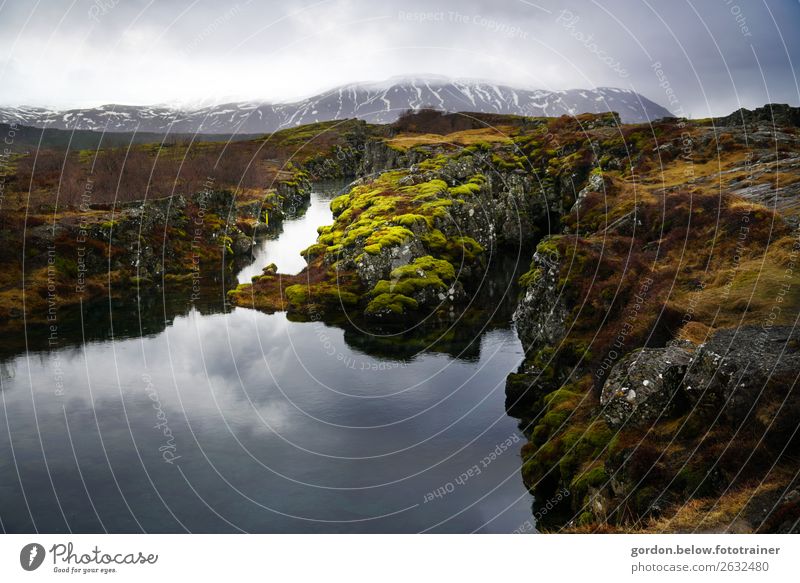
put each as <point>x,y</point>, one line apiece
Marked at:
<point>408,287</point>
<point>549,246</point>
<point>389,236</point>
<point>463,249</point>
<point>694,481</point>
<point>540,434</point>
<point>434,240</point>
<point>429,266</point>
<point>531,277</point>
<point>178,277</point>
<point>585,518</point>
<point>333,296</point>
<point>554,420</point>
<point>67,267</point>
<point>597,435</point>
<point>541,462</point>
<point>395,303</point>
<point>296,295</point>
<point>543,360</point>
<point>314,250</point>
<point>594,477</point>
<point>242,289</point>
<point>434,163</point>
<point>340,203</point>
<point>226,243</point>
<point>328,238</point>
<point>424,273</point>
<point>560,397</point>
<point>428,189</point>
<point>467,189</point>
<point>411,219</point>
<point>436,208</point>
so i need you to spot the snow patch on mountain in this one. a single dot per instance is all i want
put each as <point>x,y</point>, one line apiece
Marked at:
<point>380,102</point>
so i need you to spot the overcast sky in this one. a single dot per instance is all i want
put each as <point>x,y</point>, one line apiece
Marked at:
<point>715,55</point>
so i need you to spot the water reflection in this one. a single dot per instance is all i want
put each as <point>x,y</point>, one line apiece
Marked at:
<point>165,416</point>
<point>296,235</point>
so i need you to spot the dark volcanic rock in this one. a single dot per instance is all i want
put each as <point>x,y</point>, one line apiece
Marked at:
<point>644,386</point>
<point>541,314</point>
<point>739,368</point>
<point>733,376</point>
<point>777,114</point>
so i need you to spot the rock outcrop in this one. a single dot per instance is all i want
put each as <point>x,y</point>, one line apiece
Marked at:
<point>739,369</point>
<point>772,114</point>
<point>541,314</point>
<point>644,386</point>
<point>729,378</point>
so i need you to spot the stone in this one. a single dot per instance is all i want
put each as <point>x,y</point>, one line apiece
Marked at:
<point>541,313</point>
<point>644,386</point>
<point>733,371</point>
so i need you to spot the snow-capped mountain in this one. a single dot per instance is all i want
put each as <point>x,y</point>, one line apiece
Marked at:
<point>373,102</point>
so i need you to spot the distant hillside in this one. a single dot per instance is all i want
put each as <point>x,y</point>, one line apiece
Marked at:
<point>26,138</point>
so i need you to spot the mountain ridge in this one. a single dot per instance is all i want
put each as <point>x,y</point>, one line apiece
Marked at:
<point>375,102</point>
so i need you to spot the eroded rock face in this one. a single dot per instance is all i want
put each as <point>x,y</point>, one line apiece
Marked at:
<point>594,184</point>
<point>295,195</point>
<point>489,207</point>
<point>373,268</point>
<point>771,115</point>
<point>541,314</point>
<point>734,375</point>
<point>644,386</point>
<point>738,368</point>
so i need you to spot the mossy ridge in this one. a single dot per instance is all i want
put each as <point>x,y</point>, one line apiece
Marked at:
<point>315,291</point>
<point>386,213</point>
<point>645,220</point>
<point>424,275</point>
<point>566,450</point>
<point>386,304</point>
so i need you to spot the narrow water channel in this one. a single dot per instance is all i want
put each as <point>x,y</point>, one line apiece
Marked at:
<point>165,416</point>
<point>297,234</point>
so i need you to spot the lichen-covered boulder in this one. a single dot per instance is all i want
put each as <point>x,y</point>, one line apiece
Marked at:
<point>426,282</point>
<point>644,386</point>
<point>739,369</point>
<point>375,265</point>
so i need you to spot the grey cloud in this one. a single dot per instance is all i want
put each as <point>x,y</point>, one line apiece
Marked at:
<point>712,54</point>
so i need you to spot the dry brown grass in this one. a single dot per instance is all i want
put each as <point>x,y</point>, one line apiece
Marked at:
<point>695,332</point>
<point>746,296</point>
<point>714,515</point>
<point>680,172</point>
<point>461,138</point>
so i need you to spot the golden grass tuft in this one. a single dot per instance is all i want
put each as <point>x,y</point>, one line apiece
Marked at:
<point>462,138</point>
<point>695,332</point>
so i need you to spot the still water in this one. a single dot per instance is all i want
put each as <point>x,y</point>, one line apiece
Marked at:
<point>165,416</point>
<point>297,234</point>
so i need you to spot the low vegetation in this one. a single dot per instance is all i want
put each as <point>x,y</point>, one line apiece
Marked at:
<point>640,236</point>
